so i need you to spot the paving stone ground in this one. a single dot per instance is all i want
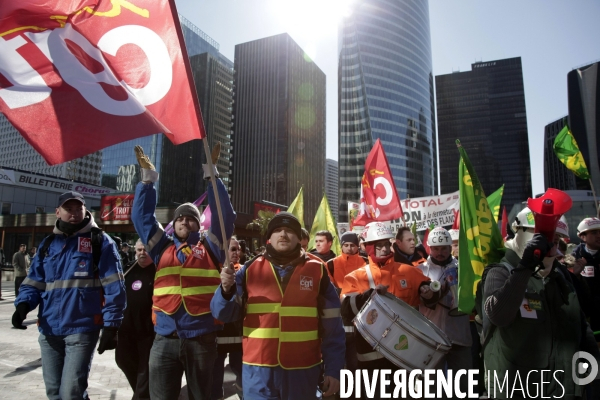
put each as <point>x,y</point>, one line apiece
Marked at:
<point>21,365</point>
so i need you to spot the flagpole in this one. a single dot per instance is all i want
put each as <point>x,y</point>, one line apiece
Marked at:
<point>215,189</point>
<point>595,200</point>
<point>408,204</point>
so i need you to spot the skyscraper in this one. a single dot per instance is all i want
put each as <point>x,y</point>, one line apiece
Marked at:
<point>214,85</point>
<point>584,118</point>
<point>180,166</point>
<point>279,125</point>
<point>15,152</point>
<point>331,185</point>
<point>485,109</point>
<point>385,91</point>
<point>556,174</point>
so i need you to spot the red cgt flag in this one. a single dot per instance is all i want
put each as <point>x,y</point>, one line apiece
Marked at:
<point>379,199</point>
<point>77,76</point>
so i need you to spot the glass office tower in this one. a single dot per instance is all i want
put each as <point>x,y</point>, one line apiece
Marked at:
<point>385,85</point>
<point>584,116</point>
<point>279,126</point>
<point>485,109</point>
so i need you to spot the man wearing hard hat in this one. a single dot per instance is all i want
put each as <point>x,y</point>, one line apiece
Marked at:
<point>439,301</point>
<point>587,260</point>
<point>384,275</point>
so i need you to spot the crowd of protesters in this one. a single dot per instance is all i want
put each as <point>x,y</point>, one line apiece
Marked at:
<point>285,316</point>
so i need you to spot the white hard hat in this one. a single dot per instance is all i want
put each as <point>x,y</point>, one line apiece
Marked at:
<point>588,224</point>
<point>524,219</point>
<point>562,228</point>
<point>439,237</point>
<point>453,234</point>
<point>375,231</point>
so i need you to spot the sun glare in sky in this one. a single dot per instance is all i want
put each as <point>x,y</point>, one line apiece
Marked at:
<point>310,21</point>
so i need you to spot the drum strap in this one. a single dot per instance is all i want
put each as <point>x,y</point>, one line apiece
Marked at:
<point>372,356</point>
<point>370,276</point>
<point>353,302</point>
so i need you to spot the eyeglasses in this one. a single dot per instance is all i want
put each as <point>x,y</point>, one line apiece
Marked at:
<point>234,249</point>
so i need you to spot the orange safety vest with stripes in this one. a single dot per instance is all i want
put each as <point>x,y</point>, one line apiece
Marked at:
<point>193,283</point>
<point>282,329</point>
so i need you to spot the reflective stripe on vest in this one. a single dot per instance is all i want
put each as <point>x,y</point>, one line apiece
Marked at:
<point>229,340</point>
<point>282,329</point>
<point>193,283</point>
<point>349,328</point>
<point>72,283</point>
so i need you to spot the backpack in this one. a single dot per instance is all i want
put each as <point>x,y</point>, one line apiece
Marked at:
<point>97,237</point>
<point>479,303</point>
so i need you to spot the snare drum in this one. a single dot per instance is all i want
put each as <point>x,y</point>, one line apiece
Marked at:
<point>400,333</point>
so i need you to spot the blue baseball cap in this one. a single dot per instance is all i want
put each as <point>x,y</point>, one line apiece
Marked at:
<point>70,196</point>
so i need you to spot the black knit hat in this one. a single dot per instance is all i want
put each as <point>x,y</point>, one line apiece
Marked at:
<point>187,210</point>
<point>349,237</point>
<point>285,219</point>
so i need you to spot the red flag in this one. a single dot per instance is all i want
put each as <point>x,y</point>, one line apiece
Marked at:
<point>456,224</point>
<point>379,199</point>
<point>425,244</point>
<point>504,223</point>
<point>77,76</point>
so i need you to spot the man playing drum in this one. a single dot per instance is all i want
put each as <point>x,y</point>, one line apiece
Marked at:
<point>384,275</point>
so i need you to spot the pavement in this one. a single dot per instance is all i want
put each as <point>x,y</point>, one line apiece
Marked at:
<point>21,365</point>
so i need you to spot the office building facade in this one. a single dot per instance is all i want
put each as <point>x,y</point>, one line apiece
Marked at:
<point>556,174</point>
<point>584,118</point>
<point>180,166</point>
<point>331,185</point>
<point>15,152</point>
<point>485,109</point>
<point>385,91</point>
<point>214,86</point>
<point>279,125</point>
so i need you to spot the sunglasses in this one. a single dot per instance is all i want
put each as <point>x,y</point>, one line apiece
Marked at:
<point>234,249</point>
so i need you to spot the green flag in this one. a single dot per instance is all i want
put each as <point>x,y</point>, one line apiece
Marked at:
<point>480,241</point>
<point>494,201</point>
<point>568,153</point>
<point>297,206</point>
<point>324,222</point>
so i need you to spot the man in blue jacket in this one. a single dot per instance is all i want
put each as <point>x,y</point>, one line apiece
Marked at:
<point>76,279</point>
<point>187,275</point>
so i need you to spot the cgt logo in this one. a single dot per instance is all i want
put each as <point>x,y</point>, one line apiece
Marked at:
<point>584,368</point>
<point>306,282</point>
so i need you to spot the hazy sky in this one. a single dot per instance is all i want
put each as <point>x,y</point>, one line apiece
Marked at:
<point>552,37</point>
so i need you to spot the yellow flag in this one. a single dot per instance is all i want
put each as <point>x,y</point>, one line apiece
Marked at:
<point>324,222</point>
<point>297,206</point>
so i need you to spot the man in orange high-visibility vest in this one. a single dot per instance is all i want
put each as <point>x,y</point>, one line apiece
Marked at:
<point>347,262</point>
<point>292,318</point>
<point>384,275</point>
<point>187,275</point>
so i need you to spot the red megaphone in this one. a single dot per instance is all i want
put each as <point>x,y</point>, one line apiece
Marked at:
<point>548,209</point>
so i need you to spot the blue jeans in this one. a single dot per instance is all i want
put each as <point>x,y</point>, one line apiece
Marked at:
<point>66,362</point>
<point>170,357</point>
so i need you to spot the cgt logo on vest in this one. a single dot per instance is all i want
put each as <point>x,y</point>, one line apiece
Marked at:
<point>198,252</point>
<point>306,282</point>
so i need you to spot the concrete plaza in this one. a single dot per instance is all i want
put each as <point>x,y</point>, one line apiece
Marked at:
<point>21,365</point>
